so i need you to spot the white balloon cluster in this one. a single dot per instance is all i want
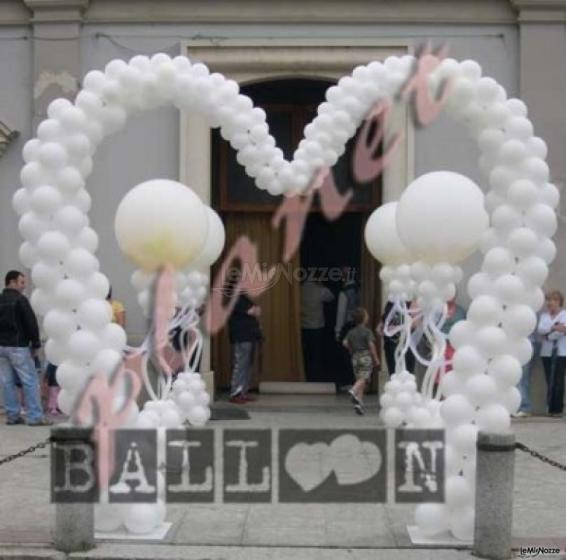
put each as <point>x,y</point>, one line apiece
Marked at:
<point>191,398</point>
<point>492,344</point>
<point>162,221</point>
<point>401,403</point>
<point>59,244</point>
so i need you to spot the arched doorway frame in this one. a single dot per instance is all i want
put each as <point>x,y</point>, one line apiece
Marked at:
<point>248,61</point>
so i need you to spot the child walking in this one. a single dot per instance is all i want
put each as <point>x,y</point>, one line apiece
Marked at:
<point>360,342</point>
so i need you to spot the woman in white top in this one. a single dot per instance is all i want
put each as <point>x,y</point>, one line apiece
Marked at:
<point>552,328</point>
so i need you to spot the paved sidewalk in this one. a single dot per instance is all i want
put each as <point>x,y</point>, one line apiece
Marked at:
<point>267,531</point>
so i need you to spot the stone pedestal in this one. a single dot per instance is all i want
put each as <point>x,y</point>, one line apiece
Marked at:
<point>74,522</point>
<point>494,495</point>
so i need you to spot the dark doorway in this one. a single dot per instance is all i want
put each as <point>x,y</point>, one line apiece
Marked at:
<point>327,249</point>
<point>290,104</point>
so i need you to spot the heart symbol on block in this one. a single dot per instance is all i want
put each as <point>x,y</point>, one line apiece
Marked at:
<point>307,465</point>
<point>354,461</point>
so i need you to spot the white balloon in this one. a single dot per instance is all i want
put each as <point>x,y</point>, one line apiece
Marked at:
<point>70,181</point>
<point>81,264</point>
<point>70,220</point>
<point>97,286</point>
<point>461,333</point>
<point>52,155</point>
<point>455,410</point>
<point>34,174</point>
<point>46,276</point>
<point>505,218</point>
<point>94,314</point>
<point>53,246</point>
<point>114,337</point>
<point>171,419</point>
<point>108,517</point>
<point>519,320</point>
<point>493,418</point>
<point>546,250</point>
<point>70,293</point>
<point>463,438</point>
<point>455,235</point>
<point>521,348</point>
<point>142,518</point>
<point>107,361</point>
<point>510,399</point>
<point>56,351</point>
<point>161,222</point>
<point>522,194</point>
<point>467,359</point>
<point>40,301</point>
<point>481,389</point>
<point>453,460</point>
<point>451,384</point>
<point>382,238</point>
<point>489,340</point>
<point>550,195</point>
<point>498,260</point>
<point>214,242</point>
<point>32,227</point>
<point>28,254</point>
<point>59,324</point>
<point>459,493</point>
<point>533,271</point>
<point>197,416</point>
<point>462,523</point>
<point>485,310</point>
<point>392,417</point>
<point>509,289</point>
<point>542,219</point>
<point>431,519</point>
<point>83,346</point>
<point>523,242</point>
<point>46,199</point>
<point>21,201</point>
<point>87,239</point>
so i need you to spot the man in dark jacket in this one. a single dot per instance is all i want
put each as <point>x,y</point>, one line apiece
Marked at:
<point>19,343</point>
<point>245,333</point>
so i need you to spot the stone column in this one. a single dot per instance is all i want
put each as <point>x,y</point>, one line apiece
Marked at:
<point>494,495</point>
<point>56,51</point>
<point>195,164</point>
<point>74,519</point>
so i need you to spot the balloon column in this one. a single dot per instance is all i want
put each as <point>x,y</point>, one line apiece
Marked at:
<point>440,219</point>
<point>491,345</point>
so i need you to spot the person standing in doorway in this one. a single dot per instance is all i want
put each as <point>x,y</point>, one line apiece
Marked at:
<point>245,334</point>
<point>552,329</point>
<point>19,344</point>
<point>313,297</point>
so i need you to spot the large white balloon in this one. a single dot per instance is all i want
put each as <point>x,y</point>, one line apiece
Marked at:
<point>382,237</point>
<point>161,222</point>
<point>214,243</point>
<point>431,221</point>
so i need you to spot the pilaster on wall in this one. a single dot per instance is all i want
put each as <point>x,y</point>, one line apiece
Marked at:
<point>56,51</point>
<point>542,79</point>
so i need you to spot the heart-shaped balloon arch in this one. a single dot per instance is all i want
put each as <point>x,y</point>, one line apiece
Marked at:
<point>491,345</point>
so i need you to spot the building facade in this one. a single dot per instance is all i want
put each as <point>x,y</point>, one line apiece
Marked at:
<point>284,54</point>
